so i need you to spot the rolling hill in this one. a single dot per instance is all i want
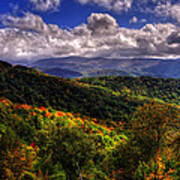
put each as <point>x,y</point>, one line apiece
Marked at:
<point>133,67</point>
<point>103,128</point>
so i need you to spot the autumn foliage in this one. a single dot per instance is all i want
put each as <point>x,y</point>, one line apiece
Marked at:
<point>108,128</point>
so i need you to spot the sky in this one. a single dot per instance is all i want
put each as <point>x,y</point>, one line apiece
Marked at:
<point>37,29</point>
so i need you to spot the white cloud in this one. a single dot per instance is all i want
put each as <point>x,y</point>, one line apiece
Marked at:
<point>29,37</point>
<point>114,5</point>
<point>28,22</point>
<point>175,12</point>
<point>174,38</point>
<point>162,8</point>
<point>157,7</point>
<point>143,20</point>
<point>133,20</point>
<point>101,24</point>
<point>45,5</point>
<point>166,9</point>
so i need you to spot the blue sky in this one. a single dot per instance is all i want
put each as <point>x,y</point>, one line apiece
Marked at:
<point>70,13</point>
<point>130,19</point>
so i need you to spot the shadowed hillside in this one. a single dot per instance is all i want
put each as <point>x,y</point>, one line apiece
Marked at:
<point>167,90</point>
<point>106,128</point>
<point>4,66</point>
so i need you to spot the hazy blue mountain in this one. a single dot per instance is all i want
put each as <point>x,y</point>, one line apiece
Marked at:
<point>64,73</point>
<point>99,66</point>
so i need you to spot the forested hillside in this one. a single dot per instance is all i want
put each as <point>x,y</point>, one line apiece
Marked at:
<point>107,128</point>
<point>167,90</point>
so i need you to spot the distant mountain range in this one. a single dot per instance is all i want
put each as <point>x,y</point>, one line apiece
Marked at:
<point>72,67</point>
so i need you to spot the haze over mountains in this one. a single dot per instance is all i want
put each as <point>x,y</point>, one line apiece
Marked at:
<point>74,66</point>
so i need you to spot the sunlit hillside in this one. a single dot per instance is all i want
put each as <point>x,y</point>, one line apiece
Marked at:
<point>96,128</point>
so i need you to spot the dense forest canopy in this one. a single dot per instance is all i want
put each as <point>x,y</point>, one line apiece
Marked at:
<point>91,128</point>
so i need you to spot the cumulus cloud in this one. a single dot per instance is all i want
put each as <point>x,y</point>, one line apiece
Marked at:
<point>175,12</point>
<point>29,37</point>
<point>143,20</point>
<point>45,5</point>
<point>174,38</point>
<point>30,22</point>
<point>101,23</point>
<point>163,8</point>
<point>166,9</point>
<point>114,5</point>
<point>133,20</point>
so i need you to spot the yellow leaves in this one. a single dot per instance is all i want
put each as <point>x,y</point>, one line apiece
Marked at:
<point>158,167</point>
<point>100,132</point>
<point>29,148</point>
<point>151,175</point>
<point>23,106</point>
<point>5,101</point>
<point>167,178</point>
<point>23,158</point>
<point>33,113</point>
<point>79,119</point>
<point>69,115</point>
<point>171,171</point>
<point>3,130</point>
<point>160,177</point>
<point>161,165</point>
<point>16,161</point>
<point>8,172</point>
